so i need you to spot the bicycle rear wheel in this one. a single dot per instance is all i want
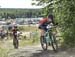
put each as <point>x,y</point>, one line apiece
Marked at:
<point>43,42</point>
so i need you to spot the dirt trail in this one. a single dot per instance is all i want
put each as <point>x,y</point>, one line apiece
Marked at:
<point>36,51</point>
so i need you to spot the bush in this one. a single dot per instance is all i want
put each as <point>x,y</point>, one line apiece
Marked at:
<point>65,15</point>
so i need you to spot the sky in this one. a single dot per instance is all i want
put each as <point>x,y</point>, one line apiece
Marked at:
<point>17,4</point>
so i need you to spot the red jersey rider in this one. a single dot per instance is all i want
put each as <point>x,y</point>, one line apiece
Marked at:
<point>44,22</point>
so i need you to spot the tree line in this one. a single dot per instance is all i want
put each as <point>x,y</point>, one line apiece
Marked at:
<point>19,13</point>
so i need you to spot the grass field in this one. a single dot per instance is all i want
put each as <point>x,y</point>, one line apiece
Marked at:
<point>28,28</point>
<point>34,38</point>
<point>4,52</point>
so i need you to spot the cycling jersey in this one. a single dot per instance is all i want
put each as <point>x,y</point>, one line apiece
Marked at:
<point>14,31</point>
<point>43,21</point>
<point>43,24</point>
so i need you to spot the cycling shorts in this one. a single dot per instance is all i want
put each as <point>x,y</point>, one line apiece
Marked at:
<point>44,27</point>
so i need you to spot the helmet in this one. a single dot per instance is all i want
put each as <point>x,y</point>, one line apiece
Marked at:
<point>50,16</point>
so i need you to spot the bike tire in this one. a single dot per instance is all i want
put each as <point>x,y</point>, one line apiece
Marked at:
<point>16,44</point>
<point>54,43</point>
<point>43,42</point>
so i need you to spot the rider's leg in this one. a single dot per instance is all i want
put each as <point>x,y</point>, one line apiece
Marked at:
<point>42,32</point>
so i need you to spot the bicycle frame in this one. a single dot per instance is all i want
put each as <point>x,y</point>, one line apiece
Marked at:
<point>49,39</point>
<point>49,33</point>
<point>47,36</point>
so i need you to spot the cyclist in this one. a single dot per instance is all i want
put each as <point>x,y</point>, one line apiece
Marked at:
<point>15,30</point>
<point>43,24</point>
<point>2,33</point>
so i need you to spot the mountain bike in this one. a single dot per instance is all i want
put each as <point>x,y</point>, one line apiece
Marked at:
<point>49,39</point>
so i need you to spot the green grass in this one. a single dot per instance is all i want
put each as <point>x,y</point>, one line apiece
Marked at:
<point>3,52</point>
<point>29,42</point>
<point>28,28</point>
<point>34,38</point>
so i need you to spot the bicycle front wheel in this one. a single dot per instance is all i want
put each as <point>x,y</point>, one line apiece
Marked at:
<point>15,43</point>
<point>54,43</point>
<point>43,42</point>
